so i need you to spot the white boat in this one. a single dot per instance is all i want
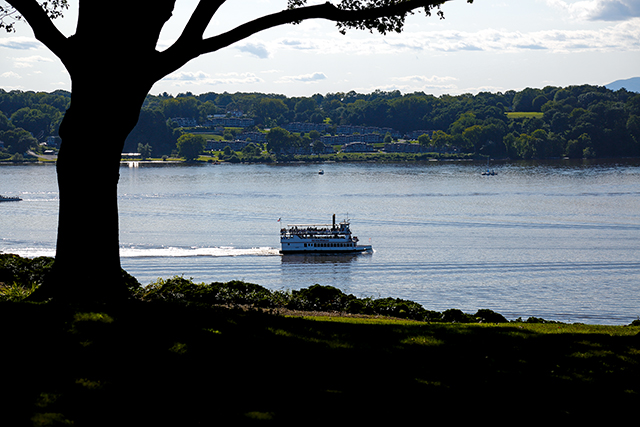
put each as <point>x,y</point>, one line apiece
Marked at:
<point>320,238</point>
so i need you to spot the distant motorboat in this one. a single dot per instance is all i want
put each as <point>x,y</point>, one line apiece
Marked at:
<point>321,172</point>
<point>9,198</point>
<point>489,172</point>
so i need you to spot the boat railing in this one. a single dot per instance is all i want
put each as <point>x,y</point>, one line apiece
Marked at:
<point>312,235</point>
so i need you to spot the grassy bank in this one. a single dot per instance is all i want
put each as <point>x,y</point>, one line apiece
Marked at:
<point>171,356</point>
<point>159,363</point>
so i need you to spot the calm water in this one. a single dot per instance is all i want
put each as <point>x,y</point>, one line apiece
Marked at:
<point>554,241</point>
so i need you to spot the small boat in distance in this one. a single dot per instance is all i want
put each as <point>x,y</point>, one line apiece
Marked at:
<point>320,238</point>
<point>489,172</point>
<point>321,172</point>
<point>9,198</point>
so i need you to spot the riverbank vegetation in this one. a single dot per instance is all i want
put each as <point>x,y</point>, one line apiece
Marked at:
<point>181,353</point>
<point>576,121</point>
<point>19,277</point>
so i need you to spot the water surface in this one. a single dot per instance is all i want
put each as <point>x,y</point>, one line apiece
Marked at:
<point>558,241</point>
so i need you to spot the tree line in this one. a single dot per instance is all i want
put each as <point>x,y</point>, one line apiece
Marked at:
<point>574,121</point>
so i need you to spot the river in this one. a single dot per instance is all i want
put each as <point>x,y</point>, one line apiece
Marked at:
<point>556,240</point>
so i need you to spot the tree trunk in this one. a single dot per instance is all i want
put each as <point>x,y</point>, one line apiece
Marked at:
<point>87,263</point>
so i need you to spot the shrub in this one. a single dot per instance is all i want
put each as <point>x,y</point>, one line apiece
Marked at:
<point>454,315</point>
<point>489,316</point>
<point>397,307</point>
<point>24,272</point>
<point>320,298</point>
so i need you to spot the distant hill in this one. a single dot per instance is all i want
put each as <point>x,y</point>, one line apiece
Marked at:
<point>632,84</point>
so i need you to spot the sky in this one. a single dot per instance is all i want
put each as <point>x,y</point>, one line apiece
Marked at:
<point>490,45</point>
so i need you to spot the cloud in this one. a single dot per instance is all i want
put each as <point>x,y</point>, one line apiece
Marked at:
<point>303,78</point>
<point>425,79</point>
<point>20,43</point>
<point>10,74</point>
<point>299,44</point>
<point>421,83</point>
<point>29,61</point>
<point>188,76</point>
<point>621,36</point>
<point>599,10</point>
<point>185,78</point>
<point>258,50</point>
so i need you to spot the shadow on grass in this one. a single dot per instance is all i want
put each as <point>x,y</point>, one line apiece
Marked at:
<point>176,364</point>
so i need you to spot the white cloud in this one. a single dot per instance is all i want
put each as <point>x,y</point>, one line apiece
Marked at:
<point>621,36</point>
<point>418,83</point>
<point>258,50</point>
<point>303,78</point>
<point>298,44</point>
<point>599,10</point>
<point>20,43</point>
<point>185,78</point>
<point>188,76</point>
<point>10,74</point>
<point>29,61</point>
<point>436,80</point>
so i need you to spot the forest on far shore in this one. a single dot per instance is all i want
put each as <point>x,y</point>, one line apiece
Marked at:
<point>582,121</point>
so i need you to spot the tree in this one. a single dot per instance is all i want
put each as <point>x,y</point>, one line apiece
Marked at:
<point>32,120</point>
<point>424,140</point>
<point>94,57</point>
<point>190,146</point>
<point>268,109</point>
<point>144,150</point>
<point>278,140</point>
<point>18,141</point>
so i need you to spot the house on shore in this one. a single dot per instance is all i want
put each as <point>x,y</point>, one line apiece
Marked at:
<point>358,147</point>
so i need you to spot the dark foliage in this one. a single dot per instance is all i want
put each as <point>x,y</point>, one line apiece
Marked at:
<point>576,121</point>
<point>489,316</point>
<point>23,271</point>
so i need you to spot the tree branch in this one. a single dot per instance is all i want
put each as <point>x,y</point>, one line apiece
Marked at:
<point>199,21</point>
<point>190,45</point>
<point>42,26</point>
<point>324,11</point>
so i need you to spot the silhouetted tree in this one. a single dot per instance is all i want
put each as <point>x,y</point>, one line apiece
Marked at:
<point>95,57</point>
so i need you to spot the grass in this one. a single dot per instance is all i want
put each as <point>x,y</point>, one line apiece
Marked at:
<point>192,354</point>
<point>169,363</point>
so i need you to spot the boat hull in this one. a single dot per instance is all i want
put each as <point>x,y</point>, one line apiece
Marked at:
<point>314,250</point>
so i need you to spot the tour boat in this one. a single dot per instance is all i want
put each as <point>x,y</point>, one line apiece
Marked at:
<point>9,198</point>
<point>325,238</point>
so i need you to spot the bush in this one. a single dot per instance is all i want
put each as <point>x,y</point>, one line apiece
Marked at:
<point>20,276</point>
<point>24,272</point>
<point>320,298</point>
<point>489,316</point>
<point>453,315</point>
<point>179,289</point>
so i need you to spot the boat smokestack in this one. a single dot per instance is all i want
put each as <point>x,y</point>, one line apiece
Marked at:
<point>334,221</point>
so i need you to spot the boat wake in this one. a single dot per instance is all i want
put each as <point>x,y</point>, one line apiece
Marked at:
<point>162,252</point>
<point>222,251</point>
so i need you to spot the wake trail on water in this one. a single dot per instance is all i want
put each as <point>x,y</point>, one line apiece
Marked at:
<point>163,252</point>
